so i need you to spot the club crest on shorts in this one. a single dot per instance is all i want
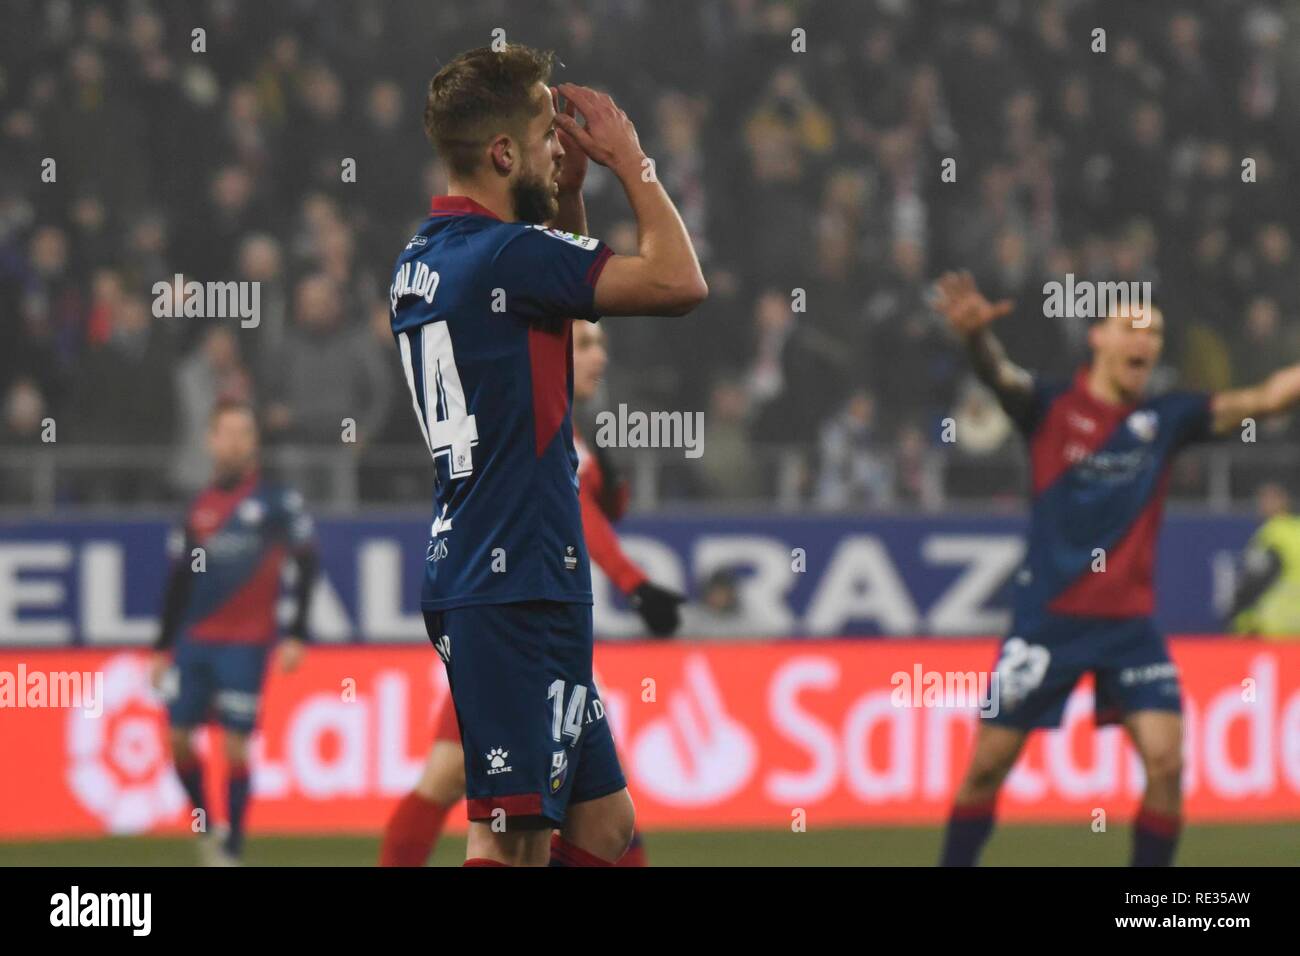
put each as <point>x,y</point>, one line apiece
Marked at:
<point>559,769</point>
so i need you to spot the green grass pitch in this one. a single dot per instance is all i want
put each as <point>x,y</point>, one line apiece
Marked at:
<point>1226,845</point>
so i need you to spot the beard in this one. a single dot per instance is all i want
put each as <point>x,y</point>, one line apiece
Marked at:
<point>533,199</point>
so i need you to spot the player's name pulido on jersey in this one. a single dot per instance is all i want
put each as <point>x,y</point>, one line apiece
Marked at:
<point>78,909</point>
<point>658,429</point>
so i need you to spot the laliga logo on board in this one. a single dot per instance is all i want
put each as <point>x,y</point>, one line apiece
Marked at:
<point>118,768</point>
<point>698,754</point>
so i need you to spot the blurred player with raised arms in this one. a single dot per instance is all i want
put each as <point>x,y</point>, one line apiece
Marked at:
<point>482,303</point>
<point>1100,450</point>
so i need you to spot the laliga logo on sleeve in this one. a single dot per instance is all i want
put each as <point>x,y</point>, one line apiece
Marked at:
<point>1143,424</point>
<point>572,238</point>
<point>696,755</point>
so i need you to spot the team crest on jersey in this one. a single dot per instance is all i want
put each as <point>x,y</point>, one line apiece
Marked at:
<point>251,511</point>
<point>572,238</point>
<point>1143,424</point>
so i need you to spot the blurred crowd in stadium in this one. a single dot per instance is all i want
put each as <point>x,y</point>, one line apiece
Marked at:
<point>816,170</point>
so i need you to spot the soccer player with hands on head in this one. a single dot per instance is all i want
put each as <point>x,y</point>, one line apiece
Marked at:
<point>482,303</point>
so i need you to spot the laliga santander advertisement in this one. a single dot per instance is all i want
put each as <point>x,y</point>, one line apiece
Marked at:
<point>711,736</point>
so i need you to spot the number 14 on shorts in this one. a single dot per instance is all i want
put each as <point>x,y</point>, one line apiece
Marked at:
<point>568,721</point>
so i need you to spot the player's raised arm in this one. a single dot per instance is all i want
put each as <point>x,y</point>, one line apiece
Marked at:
<point>969,313</point>
<point>1275,395</point>
<point>664,277</point>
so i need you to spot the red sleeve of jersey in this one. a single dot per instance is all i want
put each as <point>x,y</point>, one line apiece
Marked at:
<point>602,541</point>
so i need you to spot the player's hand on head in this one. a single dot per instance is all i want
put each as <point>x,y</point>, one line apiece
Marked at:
<point>960,301</point>
<point>608,136</point>
<point>658,607</point>
<point>573,168</point>
<point>292,650</point>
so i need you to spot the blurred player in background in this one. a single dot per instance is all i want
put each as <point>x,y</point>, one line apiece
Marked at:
<point>482,303</point>
<point>1100,450</point>
<point>416,822</point>
<point>219,614</point>
<point>1267,599</point>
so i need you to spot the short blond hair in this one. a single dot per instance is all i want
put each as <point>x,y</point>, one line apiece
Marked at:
<point>477,94</point>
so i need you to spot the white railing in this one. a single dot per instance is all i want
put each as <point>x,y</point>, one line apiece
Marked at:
<point>49,479</point>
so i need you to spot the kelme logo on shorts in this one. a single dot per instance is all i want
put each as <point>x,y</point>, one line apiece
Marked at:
<point>496,758</point>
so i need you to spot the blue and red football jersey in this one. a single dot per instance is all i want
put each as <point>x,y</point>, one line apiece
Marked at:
<point>1099,476</point>
<point>245,533</point>
<point>482,310</point>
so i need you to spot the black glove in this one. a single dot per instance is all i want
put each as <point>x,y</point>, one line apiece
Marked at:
<point>658,608</point>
